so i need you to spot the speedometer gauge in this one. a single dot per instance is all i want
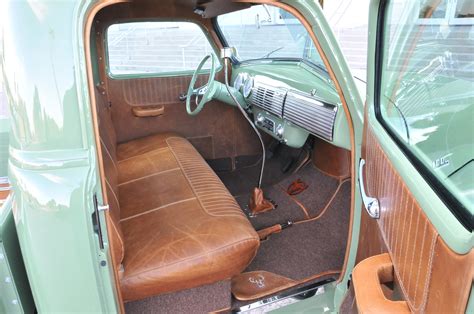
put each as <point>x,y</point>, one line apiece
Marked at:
<point>239,81</point>
<point>248,87</point>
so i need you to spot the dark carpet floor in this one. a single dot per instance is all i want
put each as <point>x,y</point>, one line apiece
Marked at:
<point>242,181</point>
<point>311,247</point>
<point>280,163</point>
<point>321,189</point>
<point>286,209</point>
<point>204,299</point>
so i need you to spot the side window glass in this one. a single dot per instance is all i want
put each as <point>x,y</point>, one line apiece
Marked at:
<point>427,88</point>
<point>4,113</point>
<point>4,131</point>
<point>155,48</point>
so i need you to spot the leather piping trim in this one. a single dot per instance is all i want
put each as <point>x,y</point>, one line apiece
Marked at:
<point>432,244</point>
<point>158,208</point>
<point>193,188</point>
<point>224,310</point>
<point>300,205</point>
<point>189,258</point>
<point>347,112</point>
<point>95,124</point>
<point>113,225</point>
<point>422,305</point>
<point>387,236</point>
<point>140,155</point>
<point>323,211</point>
<point>149,176</point>
<point>112,190</point>
<point>108,153</point>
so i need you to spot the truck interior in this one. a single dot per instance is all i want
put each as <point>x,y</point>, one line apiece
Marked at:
<point>186,226</point>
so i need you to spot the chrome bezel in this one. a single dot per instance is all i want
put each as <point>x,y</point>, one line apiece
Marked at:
<point>248,86</point>
<point>239,81</point>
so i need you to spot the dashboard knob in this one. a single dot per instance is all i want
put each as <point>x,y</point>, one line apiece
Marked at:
<point>260,118</point>
<point>279,130</point>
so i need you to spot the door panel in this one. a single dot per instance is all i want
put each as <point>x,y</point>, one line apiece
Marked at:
<point>219,131</point>
<point>430,276</point>
<point>413,105</point>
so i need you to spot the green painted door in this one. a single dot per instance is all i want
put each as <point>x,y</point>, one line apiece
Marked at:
<point>417,163</point>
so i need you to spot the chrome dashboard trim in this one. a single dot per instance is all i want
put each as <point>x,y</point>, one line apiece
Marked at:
<point>268,98</point>
<point>310,113</point>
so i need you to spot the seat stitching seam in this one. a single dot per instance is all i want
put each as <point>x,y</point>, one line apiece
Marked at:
<point>189,180</point>
<point>108,153</point>
<point>113,224</point>
<point>113,192</point>
<point>140,155</point>
<point>192,257</point>
<point>148,176</point>
<point>157,208</point>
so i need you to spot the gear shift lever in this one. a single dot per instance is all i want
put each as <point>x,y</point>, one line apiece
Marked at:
<point>258,204</point>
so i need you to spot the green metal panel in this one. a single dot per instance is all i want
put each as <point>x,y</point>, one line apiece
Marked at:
<point>53,166</point>
<point>303,77</point>
<point>4,132</point>
<point>315,16</point>
<point>14,287</point>
<point>470,304</point>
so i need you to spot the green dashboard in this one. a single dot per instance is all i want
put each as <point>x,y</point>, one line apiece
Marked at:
<point>291,100</point>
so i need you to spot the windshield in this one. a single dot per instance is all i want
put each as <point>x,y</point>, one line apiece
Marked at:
<point>267,32</point>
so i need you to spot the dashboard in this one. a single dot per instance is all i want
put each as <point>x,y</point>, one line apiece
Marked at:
<point>291,101</point>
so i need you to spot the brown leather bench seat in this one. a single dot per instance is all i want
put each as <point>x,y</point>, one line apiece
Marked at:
<point>175,224</point>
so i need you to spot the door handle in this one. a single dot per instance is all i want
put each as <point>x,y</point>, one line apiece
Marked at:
<point>371,204</point>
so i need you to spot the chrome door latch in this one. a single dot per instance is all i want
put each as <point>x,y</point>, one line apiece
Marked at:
<point>371,204</point>
<point>102,208</point>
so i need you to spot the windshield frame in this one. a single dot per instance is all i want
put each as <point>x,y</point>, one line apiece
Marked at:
<point>235,61</point>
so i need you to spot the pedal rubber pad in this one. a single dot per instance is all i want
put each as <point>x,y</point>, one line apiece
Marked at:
<point>296,187</point>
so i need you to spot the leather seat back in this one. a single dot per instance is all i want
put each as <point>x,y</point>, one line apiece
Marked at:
<point>108,145</point>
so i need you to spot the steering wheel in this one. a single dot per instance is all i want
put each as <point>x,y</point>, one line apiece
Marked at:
<point>206,91</point>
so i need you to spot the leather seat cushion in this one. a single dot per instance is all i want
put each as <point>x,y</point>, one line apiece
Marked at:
<point>181,226</point>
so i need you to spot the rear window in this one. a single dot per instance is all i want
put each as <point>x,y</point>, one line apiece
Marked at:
<point>147,48</point>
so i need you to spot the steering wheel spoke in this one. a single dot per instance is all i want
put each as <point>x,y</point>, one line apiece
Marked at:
<point>201,90</point>
<point>206,91</point>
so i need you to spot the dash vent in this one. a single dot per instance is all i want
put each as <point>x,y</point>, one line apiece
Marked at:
<point>268,98</point>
